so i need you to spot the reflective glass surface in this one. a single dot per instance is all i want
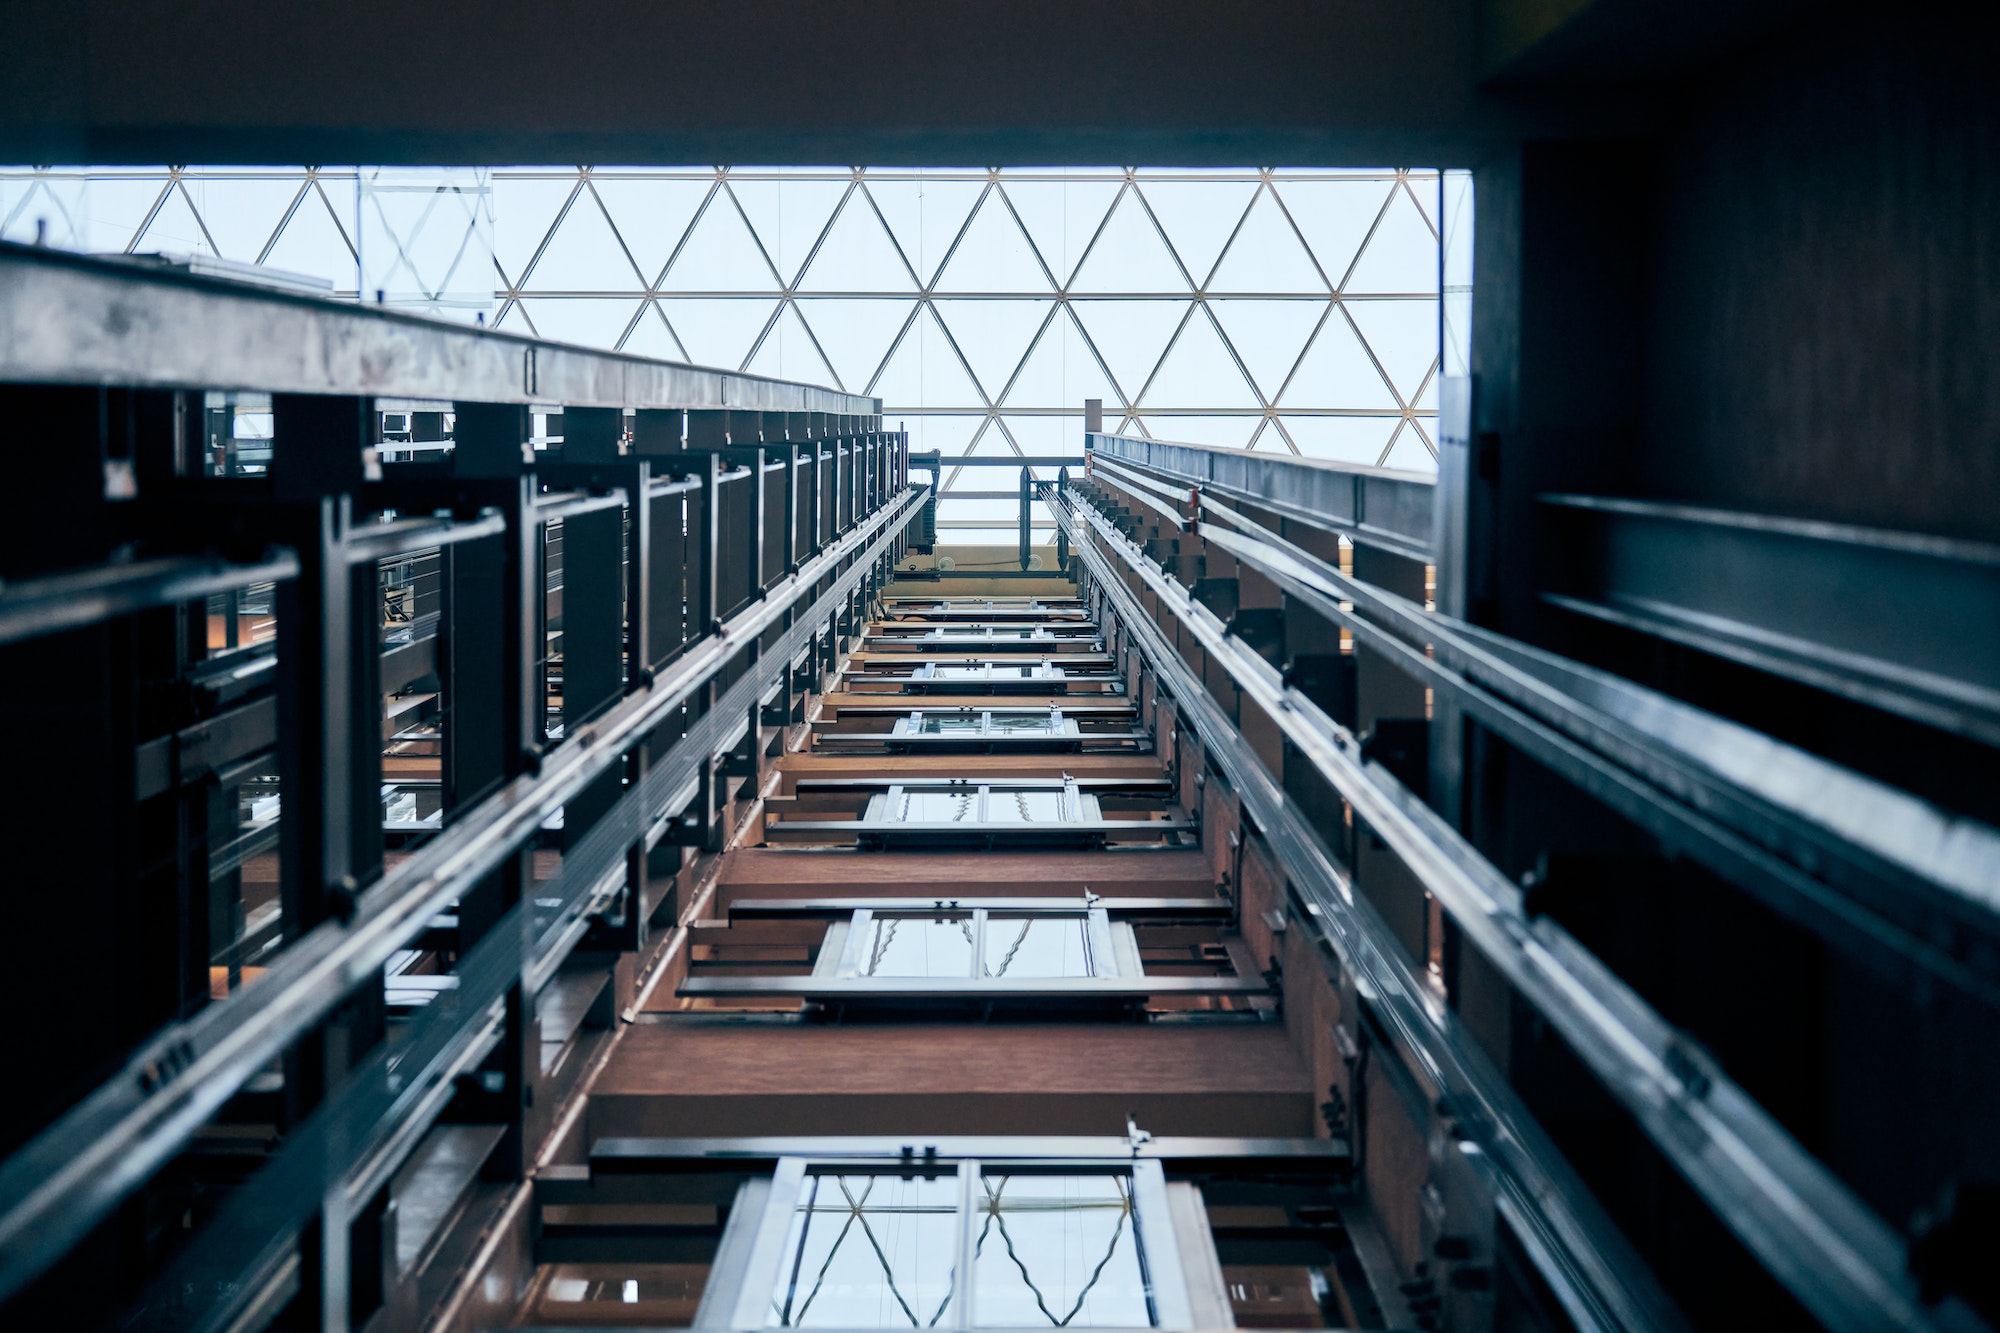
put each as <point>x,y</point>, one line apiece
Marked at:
<point>958,806</point>
<point>902,946</point>
<point>1046,946</point>
<point>1017,725</point>
<point>869,1252</point>
<point>1058,1250</point>
<point>1025,807</point>
<point>934,724</point>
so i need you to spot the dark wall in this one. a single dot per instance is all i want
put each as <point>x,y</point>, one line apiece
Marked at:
<point>973,82</point>
<point>1826,293</point>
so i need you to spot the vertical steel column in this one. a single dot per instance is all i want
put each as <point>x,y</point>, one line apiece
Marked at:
<point>1027,498</point>
<point>706,616</point>
<point>1062,537</point>
<point>759,515</point>
<point>330,767</point>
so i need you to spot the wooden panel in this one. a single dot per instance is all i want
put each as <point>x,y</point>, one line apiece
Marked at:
<point>1023,1079</point>
<point>794,766</point>
<point>755,872</point>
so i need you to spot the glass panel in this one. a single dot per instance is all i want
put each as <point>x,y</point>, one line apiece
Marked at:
<point>1025,807</point>
<point>869,1252</point>
<point>904,946</point>
<point>1037,946</point>
<point>1017,725</point>
<point>935,725</point>
<point>1058,1250</point>
<point>940,807</point>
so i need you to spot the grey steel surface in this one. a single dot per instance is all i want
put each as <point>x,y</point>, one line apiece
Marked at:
<point>73,1173</point>
<point>1380,507</point>
<point>1168,502</point>
<point>1836,1257</point>
<point>1903,621</point>
<point>72,319</point>
<point>1590,1266</point>
<point>936,459</point>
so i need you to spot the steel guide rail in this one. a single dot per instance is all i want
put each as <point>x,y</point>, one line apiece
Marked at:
<point>1380,507</point>
<point>1790,802</point>
<point>1757,818</point>
<point>1601,1283</point>
<point>397,1094</point>
<point>59,1185</point>
<point>1821,1242</point>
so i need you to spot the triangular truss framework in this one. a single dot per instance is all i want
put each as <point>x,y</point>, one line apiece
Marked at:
<point>1266,309</point>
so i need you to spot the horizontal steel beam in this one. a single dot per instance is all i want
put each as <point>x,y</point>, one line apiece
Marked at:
<point>74,319</point>
<point>30,608</point>
<point>1380,507</point>
<point>835,990</point>
<point>934,458</point>
<point>1122,907</point>
<point>622,1155</point>
<point>1902,621</point>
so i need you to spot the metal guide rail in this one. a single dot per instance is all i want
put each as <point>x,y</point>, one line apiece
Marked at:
<point>1378,507</point>
<point>1839,1260</point>
<point>570,658</point>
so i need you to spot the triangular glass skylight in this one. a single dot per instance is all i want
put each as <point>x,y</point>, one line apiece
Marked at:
<point>1269,335</point>
<point>721,254</point>
<point>584,255</point>
<point>856,334</point>
<point>1129,255</point>
<point>1060,216</point>
<point>1198,371</point>
<point>857,255</point>
<point>651,216</point>
<point>1402,256</point>
<point>242,216</point>
<point>1199,218</point>
<point>994,256</point>
<point>1335,217</point>
<point>1337,370</point>
<point>1266,256</point>
<point>718,332</point>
